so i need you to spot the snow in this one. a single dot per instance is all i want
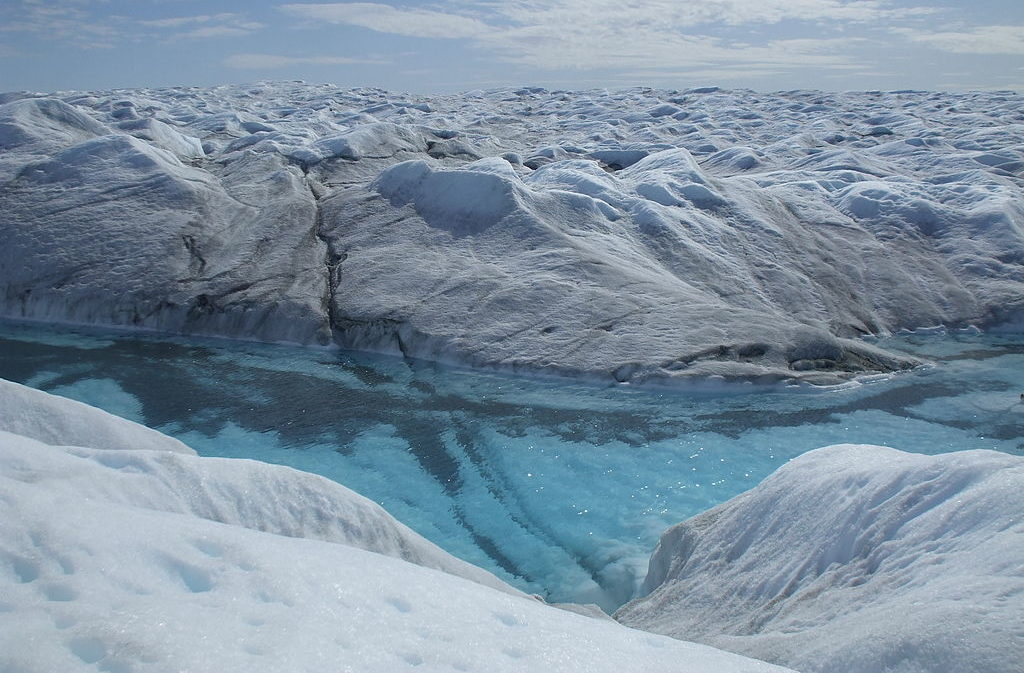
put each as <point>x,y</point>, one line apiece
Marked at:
<point>58,421</point>
<point>245,493</point>
<point>636,235</point>
<point>854,558</point>
<point>147,559</point>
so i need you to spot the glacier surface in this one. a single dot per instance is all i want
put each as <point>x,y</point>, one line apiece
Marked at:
<point>152,559</point>
<point>631,236</point>
<point>854,558</point>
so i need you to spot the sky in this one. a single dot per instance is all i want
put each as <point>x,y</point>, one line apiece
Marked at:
<point>458,45</point>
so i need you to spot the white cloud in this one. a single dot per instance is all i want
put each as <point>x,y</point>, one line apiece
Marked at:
<point>1007,40</point>
<point>202,26</point>
<point>271,61</point>
<point>388,19</point>
<point>177,21</point>
<point>616,45</point>
<point>620,34</point>
<point>62,22</point>
<point>672,14</point>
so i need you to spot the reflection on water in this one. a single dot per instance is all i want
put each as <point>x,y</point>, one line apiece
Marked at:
<point>559,488</point>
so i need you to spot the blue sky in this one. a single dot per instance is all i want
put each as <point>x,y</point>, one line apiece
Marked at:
<point>456,45</point>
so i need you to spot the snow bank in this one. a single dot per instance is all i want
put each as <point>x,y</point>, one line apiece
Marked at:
<point>244,493</point>
<point>59,421</point>
<point>857,559</point>
<point>151,560</point>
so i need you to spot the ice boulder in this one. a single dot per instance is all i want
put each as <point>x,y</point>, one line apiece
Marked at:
<point>856,559</point>
<point>463,200</point>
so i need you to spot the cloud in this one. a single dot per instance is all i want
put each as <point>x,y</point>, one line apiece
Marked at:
<point>994,40</point>
<point>177,21</point>
<point>80,23</point>
<point>624,34</point>
<point>388,19</point>
<point>203,26</point>
<point>617,45</point>
<point>271,61</point>
<point>218,31</point>
<point>59,22</point>
<point>672,14</point>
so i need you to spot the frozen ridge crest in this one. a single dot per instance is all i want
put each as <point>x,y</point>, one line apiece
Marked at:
<point>640,235</point>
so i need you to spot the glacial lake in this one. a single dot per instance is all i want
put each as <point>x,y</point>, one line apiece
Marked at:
<point>560,488</point>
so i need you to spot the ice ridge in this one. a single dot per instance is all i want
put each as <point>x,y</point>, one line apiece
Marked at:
<point>638,235</point>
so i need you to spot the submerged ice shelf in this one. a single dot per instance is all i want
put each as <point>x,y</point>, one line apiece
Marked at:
<point>561,489</point>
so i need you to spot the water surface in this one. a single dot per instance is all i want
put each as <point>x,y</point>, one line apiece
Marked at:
<point>559,488</point>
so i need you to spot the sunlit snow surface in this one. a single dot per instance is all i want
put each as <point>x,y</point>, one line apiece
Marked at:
<point>561,489</point>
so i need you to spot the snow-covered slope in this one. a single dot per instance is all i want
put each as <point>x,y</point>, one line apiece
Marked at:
<point>59,421</point>
<point>630,235</point>
<point>858,559</point>
<point>150,559</point>
<point>118,461</point>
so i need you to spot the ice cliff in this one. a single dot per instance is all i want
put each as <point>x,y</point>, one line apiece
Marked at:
<point>858,559</point>
<point>632,235</point>
<point>121,550</point>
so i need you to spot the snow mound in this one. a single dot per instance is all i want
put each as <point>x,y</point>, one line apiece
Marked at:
<point>470,199</point>
<point>856,559</point>
<point>59,421</point>
<point>32,128</point>
<point>143,560</point>
<point>532,271</point>
<point>45,123</point>
<point>376,140</point>
<point>250,494</point>
<point>165,137</point>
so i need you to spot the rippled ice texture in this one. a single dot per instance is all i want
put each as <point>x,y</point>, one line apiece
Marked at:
<point>561,489</point>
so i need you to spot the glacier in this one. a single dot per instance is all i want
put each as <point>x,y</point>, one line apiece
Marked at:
<point>631,236</point>
<point>140,556</point>
<point>641,236</point>
<point>854,558</point>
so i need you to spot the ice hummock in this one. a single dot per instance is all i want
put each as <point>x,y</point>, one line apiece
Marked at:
<point>630,236</point>
<point>149,559</point>
<point>857,559</point>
